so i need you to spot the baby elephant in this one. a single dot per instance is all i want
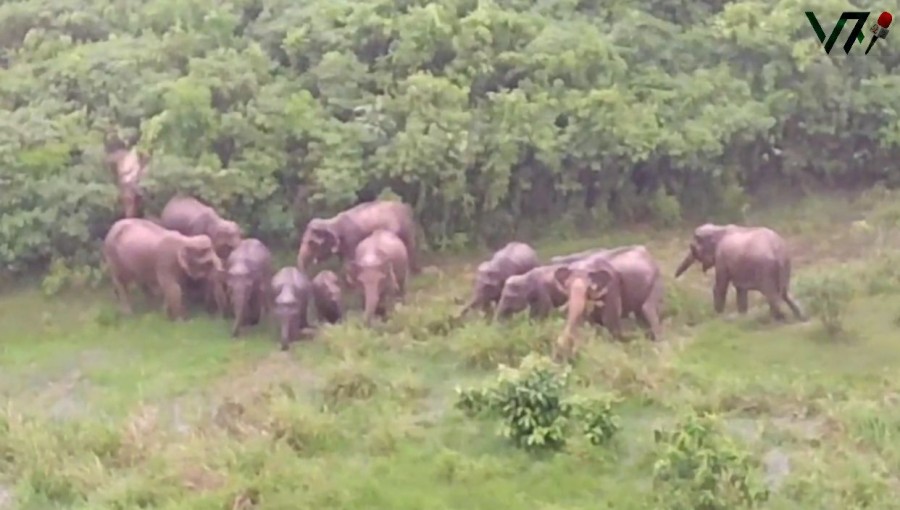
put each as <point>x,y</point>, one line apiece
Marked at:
<point>380,266</point>
<point>327,296</point>
<point>291,291</point>
<point>513,259</point>
<point>248,273</point>
<point>537,290</point>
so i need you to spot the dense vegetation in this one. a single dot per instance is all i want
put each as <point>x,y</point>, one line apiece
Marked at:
<point>482,114</point>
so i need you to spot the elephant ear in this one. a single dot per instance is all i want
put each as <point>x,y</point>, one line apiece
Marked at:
<point>600,280</point>
<point>561,276</point>
<point>184,255</point>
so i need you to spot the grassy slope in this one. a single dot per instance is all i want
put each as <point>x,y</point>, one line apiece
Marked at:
<point>108,412</point>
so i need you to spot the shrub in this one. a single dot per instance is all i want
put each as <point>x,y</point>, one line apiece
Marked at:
<point>700,468</point>
<point>533,407</point>
<point>827,299</point>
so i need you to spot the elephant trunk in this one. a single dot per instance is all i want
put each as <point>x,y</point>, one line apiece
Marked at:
<point>304,256</point>
<point>685,264</point>
<point>372,299</point>
<point>503,311</point>
<point>239,302</point>
<point>286,321</point>
<point>575,313</point>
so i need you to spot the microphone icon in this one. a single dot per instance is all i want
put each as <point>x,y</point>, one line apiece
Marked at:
<point>880,28</point>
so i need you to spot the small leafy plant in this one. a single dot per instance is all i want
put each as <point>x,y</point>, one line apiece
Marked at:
<point>827,299</point>
<point>531,401</point>
<point>700,468</point>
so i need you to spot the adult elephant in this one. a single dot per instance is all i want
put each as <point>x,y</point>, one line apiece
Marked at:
<point>248,276</point>
<point>608,286</point>
<point>513,259</point>
<point>139,251</point>
<point>191,217</point>
<point>538,290</point>
<point>750,258</point>
<point>380,266</point>
<point>340,234</point>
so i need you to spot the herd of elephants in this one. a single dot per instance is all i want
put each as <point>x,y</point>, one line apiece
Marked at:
<point>191,251</point>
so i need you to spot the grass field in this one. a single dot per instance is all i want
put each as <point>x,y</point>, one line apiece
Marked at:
<point>107,412</point>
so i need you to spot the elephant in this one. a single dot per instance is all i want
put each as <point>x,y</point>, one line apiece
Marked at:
<point>341,234</point>
<point>327,296</point>
<point>573,257</point>
<point>138,250</point>
<point>248,274</point>
<point>291,292</point>
<point>128,168</point>
<point>513,259</point>
<point>380,266</point>
<point>614,283</point>
<point>538,290</point>
<point>189,216</point>
<point>750,258</point>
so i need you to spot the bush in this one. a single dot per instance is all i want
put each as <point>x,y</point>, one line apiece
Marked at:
<point>531,403</point>
<point>827,299</point>
<point>699,468</point>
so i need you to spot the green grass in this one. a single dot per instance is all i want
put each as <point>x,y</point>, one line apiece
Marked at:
<point>109,412</point>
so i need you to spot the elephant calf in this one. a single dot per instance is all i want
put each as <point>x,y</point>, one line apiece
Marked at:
<point>538,290</point>
<point>248,275</point>
<point>617,282</point>
<point>291,290</point>
<point>327,296</point>
<point>750,258</point>
<point>138,250</point>
<point>513,259</point>
<point>380,266</point>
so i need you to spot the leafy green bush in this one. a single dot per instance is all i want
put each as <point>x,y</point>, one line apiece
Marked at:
<point>533,408</point>
<point>827,299</point>
<point>698,467</point>
<point>486,117</point>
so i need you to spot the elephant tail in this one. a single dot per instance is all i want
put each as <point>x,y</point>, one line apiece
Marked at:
<point>784,276</point>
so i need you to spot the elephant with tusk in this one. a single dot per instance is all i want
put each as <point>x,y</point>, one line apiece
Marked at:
<point>607,286</point>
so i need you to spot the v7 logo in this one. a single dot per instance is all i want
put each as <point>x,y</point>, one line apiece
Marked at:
<point>855,33</point>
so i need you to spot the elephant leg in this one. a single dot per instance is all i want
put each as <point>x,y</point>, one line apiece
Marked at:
<point>742,301</point>
<point>720,291</point>
<point>798,313</point>
<point>774,305</point>
<point>121,290</point>
<point>255,315</point>
<point>649,312</point>
<point>174,302</point>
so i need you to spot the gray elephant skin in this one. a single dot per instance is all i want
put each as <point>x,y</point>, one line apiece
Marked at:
<point>513,259</point>
<point>341,234</point>
<point>189,216</point>
<point>139,251</point>
<point>749,258</point>
<point>538,290</point>
<point>328,297</point>
<point>291,291</point>
<point>248,274</point>
<point>380,267</point>
<point>616,283</point>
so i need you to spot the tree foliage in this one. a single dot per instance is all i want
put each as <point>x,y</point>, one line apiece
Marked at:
<point>483,114</point>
